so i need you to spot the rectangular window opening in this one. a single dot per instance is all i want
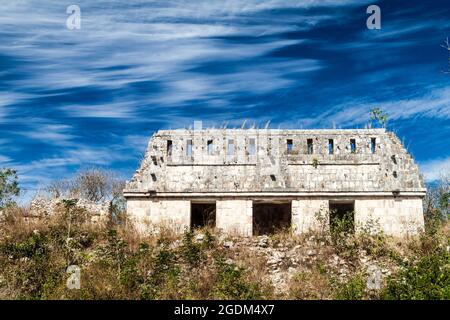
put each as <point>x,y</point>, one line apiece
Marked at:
<point>189,147</point>
<point>210,146</point>
<point>310,146</point>
<point>169,147</point>
<point>330,146</point>
<point>269,218</point>
<point>353,145</point>
<point>342,217</point>
<point>290,145</point>
<point>373,144</point>
<point>203,215</point>
<point>252,146</point>
<point>230,149</point>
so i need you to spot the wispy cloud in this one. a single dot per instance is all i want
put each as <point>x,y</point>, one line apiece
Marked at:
<point>93,96</point>
<point>120,45</point>
<point>4,160</point>
<point>54,134</point>
<point>433,170</point>
<point>435,104</point>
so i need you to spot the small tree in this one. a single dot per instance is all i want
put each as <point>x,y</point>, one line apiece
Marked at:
<point>93,184</point>
<point>60,188</point>
<point>117,203</point>
<point>9,187</point>
<point>378,116</point>
<point>436,203</point>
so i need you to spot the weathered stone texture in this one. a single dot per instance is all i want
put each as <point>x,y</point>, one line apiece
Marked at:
<point>389,168</point>
<point>41,207</point>
<point>234,216</point>
<point>395,216</point>
<point>172,214</point>
<point>234,167</point>
<point>309,215</point>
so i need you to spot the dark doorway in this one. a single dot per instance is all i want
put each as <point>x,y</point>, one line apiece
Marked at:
<point>271,217</point>
<point>203,215</point>
<point>342,216</point>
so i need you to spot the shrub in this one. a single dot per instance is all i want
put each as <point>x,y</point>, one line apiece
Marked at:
<point>191,252</point>
<point>429,278</point>
<point>9,187</point>
<point>231,283</point>
<point>343,237</point>
<point>353,289</point>
<point>31,267</point>
<point>163,278</point>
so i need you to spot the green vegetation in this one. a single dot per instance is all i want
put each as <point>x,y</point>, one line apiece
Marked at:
<point>114,262</point>
<point>9,187</point>
<point>379,117</point>
<point>428,278</point>
<point>353,289</point>
<point>118,263</point>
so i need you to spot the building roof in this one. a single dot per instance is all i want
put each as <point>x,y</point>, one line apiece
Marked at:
<point>275,161</point>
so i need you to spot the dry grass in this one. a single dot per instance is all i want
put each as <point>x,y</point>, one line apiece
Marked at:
<point>117,262</point>
<point>310,285</point>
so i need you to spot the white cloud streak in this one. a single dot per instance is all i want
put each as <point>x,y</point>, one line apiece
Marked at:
<point>434,169</point>
<point>435,104</point>
<point>160,41</point>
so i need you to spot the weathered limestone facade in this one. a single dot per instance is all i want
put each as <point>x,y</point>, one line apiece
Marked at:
<point>44,207</point>
<point>311,171</point>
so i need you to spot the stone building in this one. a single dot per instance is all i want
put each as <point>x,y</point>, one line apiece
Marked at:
<point>255,181</point>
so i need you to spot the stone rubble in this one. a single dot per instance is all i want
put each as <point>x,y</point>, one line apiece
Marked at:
<point>285,260</point>
<point>199,237</point>
<point>41,207</point>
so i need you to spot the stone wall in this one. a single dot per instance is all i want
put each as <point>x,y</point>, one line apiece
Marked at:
<point>272,167</point>
<point>378,174</point>
<point>309,215</point>
<point>396,217</point>
<point>234,217</point>
<point>150,215</point>
<point>401,216</point>
<point>42,207</point>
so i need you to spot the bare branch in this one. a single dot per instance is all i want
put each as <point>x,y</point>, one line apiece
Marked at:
<point>446,45</point>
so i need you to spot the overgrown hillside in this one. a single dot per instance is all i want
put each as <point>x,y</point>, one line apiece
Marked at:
<point>116,263</point>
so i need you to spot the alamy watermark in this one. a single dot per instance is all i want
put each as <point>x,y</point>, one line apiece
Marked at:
<point>374,20</point>
<point>73,22</point>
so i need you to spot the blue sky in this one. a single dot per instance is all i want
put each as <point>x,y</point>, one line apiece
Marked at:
<point>71,99</point>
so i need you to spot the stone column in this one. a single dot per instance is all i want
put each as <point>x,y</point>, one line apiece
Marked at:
<point>150,215</point>
<point>235,217</point>
<point>395,217</point>
<point>309,215</point>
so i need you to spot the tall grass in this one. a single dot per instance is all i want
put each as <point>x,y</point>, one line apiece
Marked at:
<point>116,262</point>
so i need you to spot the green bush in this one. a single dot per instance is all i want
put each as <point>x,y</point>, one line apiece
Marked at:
<point>9,187</point>
<point>231,283</point>
<point>164,276</point>
<point>191,252</point>
<point>428,279</point>
<point>353,289</point>
<point>32,267</point>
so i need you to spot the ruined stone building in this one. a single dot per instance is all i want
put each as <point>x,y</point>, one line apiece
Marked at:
<point>255,181</point>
